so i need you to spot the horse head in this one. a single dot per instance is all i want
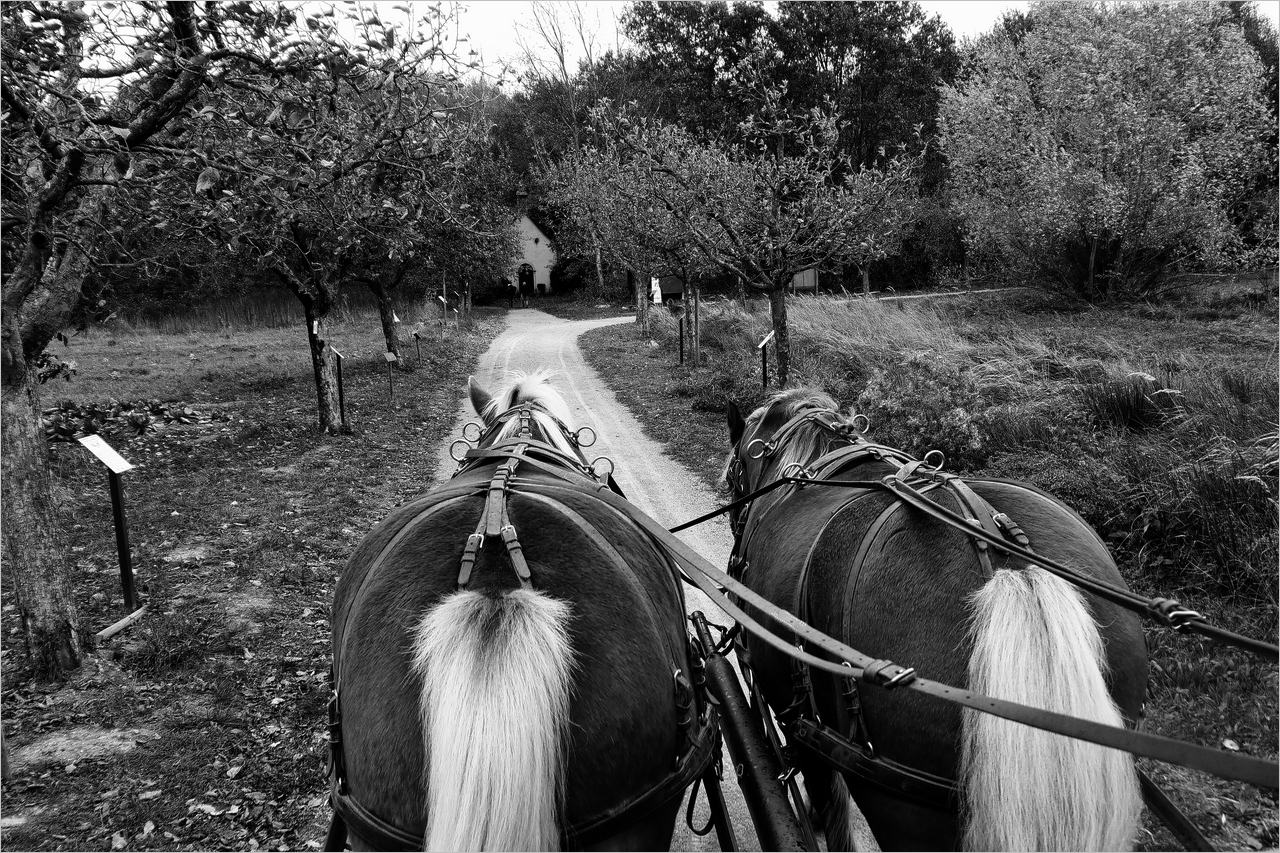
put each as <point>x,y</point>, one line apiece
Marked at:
<point>528,408</point>
<point>792,428</point>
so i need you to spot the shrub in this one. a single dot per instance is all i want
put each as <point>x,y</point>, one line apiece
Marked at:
<point>922,404</point>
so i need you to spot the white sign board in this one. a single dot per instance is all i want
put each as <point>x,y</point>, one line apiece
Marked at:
<point>106,455</point>
<point>389,356</point>
<point>766,340</point>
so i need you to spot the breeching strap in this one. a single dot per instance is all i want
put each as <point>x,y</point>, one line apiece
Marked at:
<point>883,673</point>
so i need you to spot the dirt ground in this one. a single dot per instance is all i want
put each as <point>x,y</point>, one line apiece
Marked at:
<point>202,726</point>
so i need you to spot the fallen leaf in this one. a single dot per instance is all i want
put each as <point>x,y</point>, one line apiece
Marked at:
<point>234,771</point>
<point>148,795</point>
<point>1231,745</point>
<point>117,841</point>
<point>148,827</point>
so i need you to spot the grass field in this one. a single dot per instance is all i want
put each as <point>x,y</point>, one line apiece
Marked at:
<point>202,726</point>
<point>1157,423</point>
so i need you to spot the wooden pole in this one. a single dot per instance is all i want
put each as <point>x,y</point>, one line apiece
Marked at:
<point>342,400</point>
<point>697,327</point>
<point>117,627</point>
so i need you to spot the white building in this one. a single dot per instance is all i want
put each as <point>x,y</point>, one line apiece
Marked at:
<point>536,257</point>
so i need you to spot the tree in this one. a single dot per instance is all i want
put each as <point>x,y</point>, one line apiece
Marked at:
<point>880,64</point>
<point>342,173</point>
<point>1106,145</point>
<point>90,94</point>
<point>783,201</point>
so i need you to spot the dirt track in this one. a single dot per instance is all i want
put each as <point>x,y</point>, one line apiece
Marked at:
<point>661,487</point>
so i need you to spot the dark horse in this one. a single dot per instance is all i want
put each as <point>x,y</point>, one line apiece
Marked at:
<point>895,583</point>
<point>511,665</point>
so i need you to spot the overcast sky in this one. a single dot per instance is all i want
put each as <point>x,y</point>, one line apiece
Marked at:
<point>497,26</point>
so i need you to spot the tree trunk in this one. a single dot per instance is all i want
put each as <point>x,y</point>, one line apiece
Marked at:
<point>324,366</point>
<point>642,303</point>
<point>866,281</point>
<point>34,544</point>
<point>38,301</point>
<point>599,274</point>
<point>742,293</point>
<point>387,315</point>
<point>781,341</point>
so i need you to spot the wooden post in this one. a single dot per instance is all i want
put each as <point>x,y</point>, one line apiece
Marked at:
<point>683,314</point>
<point>391,383</point>
<point>342,400</point>
<point>697,328</point>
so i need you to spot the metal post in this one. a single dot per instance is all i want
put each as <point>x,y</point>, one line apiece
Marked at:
<point>417,341</point>
<point>122,539</point>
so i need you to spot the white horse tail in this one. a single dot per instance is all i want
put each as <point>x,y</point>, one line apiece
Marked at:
<point>496,682</point>
<point>1026,789</point>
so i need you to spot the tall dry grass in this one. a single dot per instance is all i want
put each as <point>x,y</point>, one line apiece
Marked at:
<point>1170,455</point>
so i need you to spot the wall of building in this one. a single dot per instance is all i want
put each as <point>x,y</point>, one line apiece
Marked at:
<point>536,251</point>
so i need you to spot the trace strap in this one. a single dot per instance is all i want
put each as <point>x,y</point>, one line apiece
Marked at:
<point>880,673</point>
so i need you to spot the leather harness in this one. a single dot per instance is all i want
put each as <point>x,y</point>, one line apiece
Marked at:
<point>856,754</point>
<point>699,726</point>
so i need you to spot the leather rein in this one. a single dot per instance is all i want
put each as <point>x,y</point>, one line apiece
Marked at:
<point>698,721</point>
<point>909,484</point>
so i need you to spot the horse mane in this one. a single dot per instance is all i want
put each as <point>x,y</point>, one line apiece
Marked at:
<point>808,441</point>
<point>534,388</point>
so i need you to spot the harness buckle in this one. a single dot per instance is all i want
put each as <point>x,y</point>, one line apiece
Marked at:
<point>474,543</point>
<point>516,554</point>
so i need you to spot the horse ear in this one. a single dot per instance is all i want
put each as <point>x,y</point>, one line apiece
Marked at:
<point>737,426</point>
<point>480,399</point>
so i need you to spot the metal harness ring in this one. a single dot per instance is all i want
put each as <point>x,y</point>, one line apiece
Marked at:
<point>764,449</point>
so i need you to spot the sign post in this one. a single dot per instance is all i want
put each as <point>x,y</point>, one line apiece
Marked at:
<point>116,465</point>
<point>763,346</point>
<point>391,384</point>
<point>683,315</point>
<point>342,403</point>
<point>417,342</point>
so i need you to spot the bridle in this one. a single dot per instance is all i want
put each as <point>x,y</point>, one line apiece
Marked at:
<point>698,743</point>
<point>848,430</point>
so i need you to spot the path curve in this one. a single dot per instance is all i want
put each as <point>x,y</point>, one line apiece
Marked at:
<point>658,485</point>
<point>661,487</point>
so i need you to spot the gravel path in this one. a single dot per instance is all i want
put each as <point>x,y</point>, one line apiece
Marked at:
<point>661,487</point>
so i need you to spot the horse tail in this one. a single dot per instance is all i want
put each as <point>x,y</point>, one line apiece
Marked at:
<point>496,683</point>
<point>1026,789</point>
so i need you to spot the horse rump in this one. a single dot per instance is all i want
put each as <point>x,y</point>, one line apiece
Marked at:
<point>494,776</point>
<point>1036,643</point>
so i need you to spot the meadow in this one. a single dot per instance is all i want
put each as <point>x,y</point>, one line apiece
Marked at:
<point>1157,422</point>
<point>203,725</point>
